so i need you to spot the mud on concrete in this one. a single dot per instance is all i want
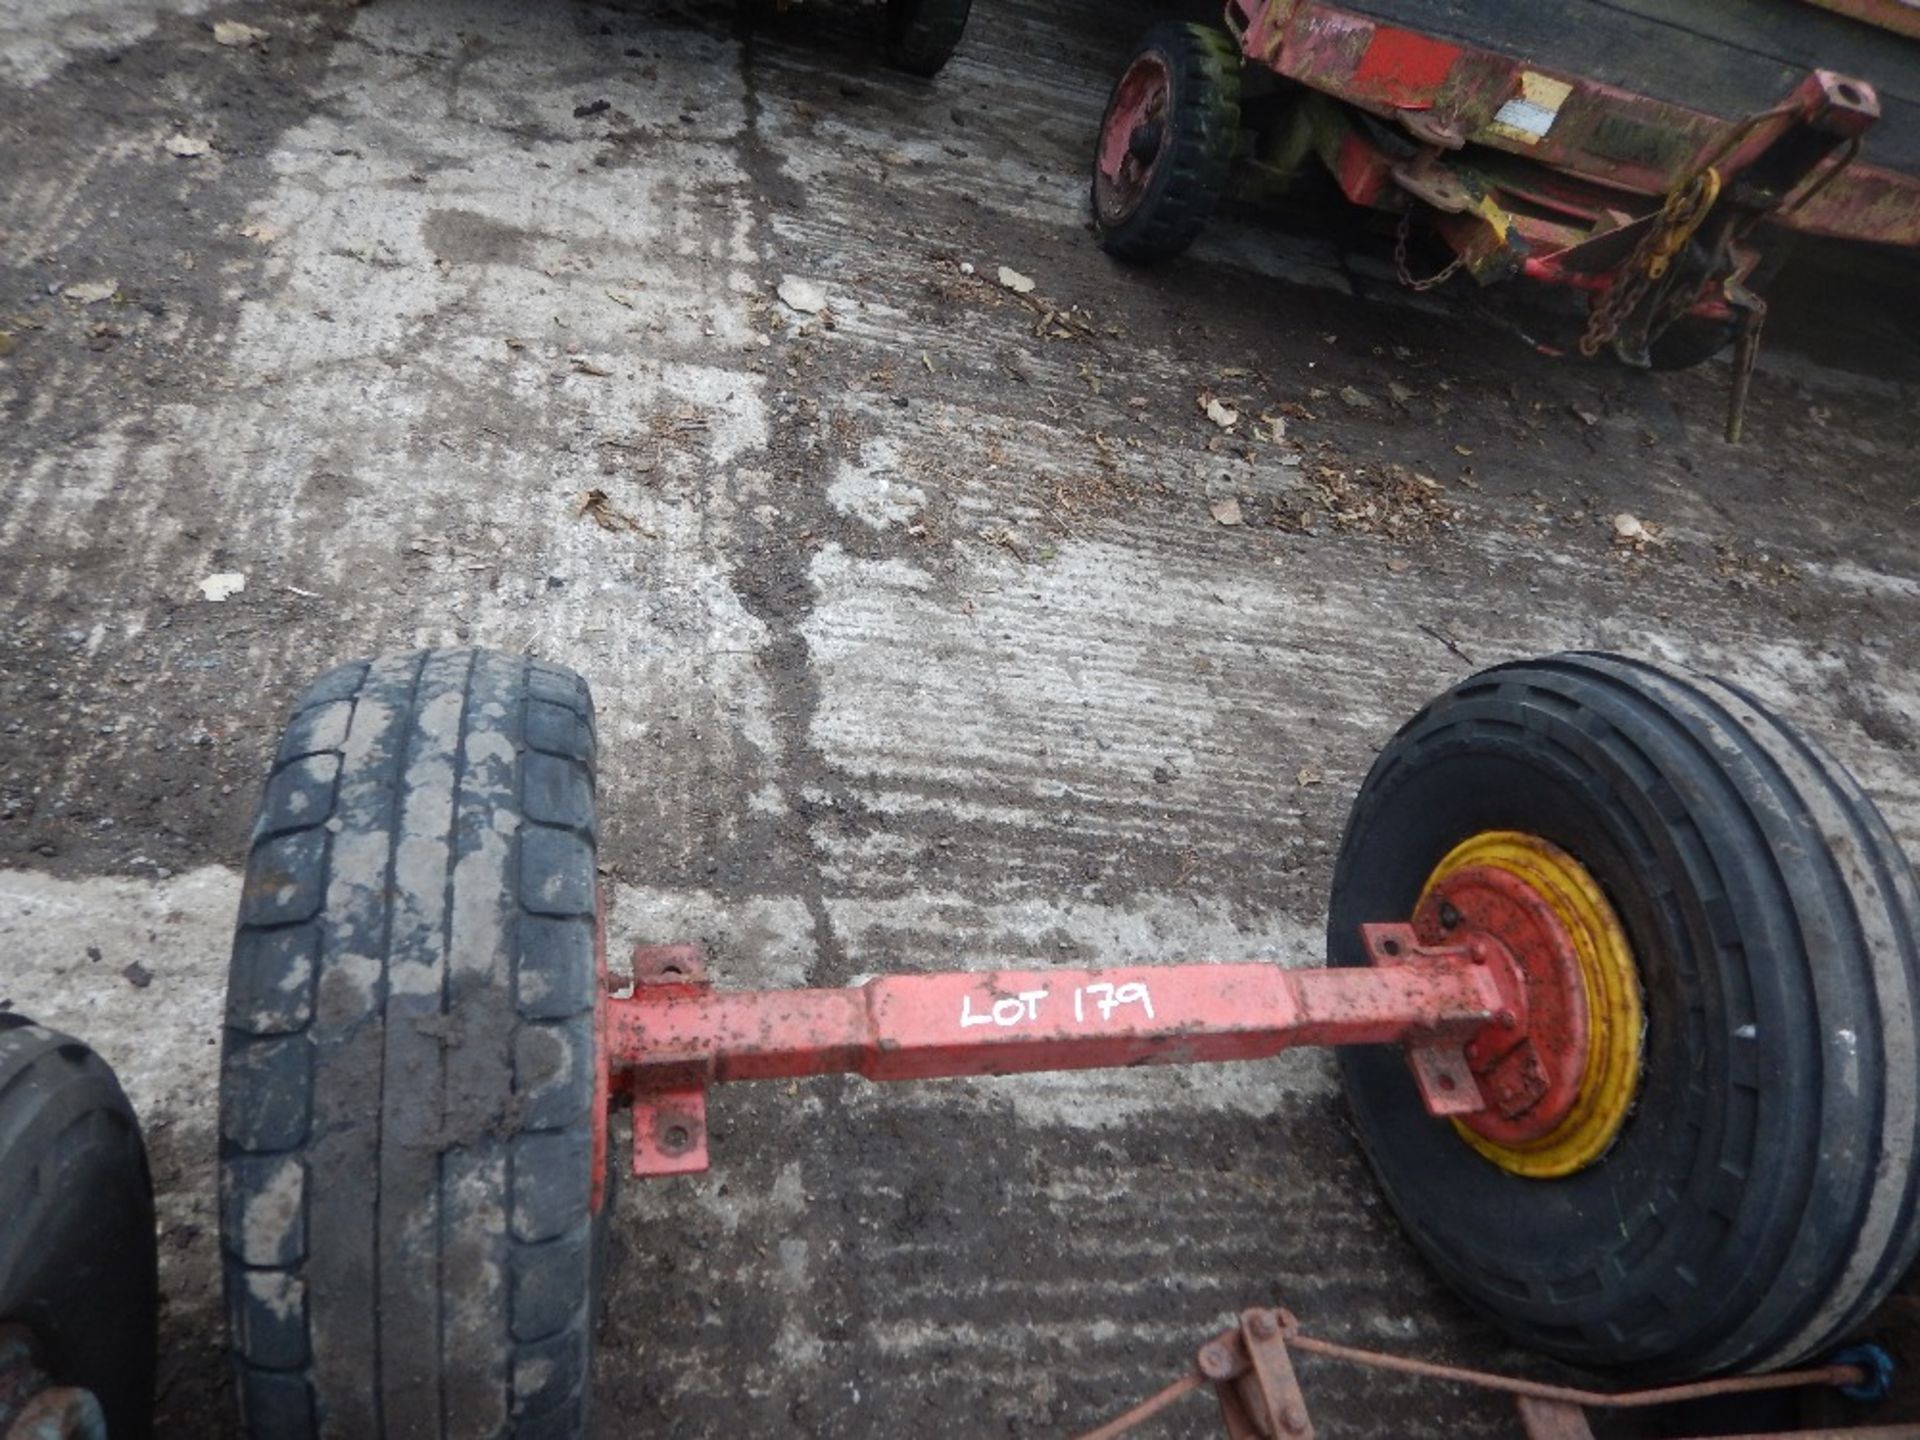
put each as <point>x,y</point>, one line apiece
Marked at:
<point>919,639</point>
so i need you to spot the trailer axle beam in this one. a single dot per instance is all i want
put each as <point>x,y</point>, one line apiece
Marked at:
<point>674,1035</point>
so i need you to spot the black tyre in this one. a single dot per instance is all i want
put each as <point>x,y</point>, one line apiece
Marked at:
<point>923,34</point>
<point>407,1103</point>
<point>1166,142</point>
<point>77,1264</point>
<point>1693,339</point>
<point>1759,1198</point>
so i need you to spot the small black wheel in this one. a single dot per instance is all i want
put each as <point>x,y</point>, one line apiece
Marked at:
<point>408,1119</point>
<point>1166,142</point>
<point>1691,340</point>
<point>923,34</point>
<point>1747,1192</point>
<point>77,1264</point>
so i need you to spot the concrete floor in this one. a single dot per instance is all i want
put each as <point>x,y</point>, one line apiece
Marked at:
<point>925,646</point>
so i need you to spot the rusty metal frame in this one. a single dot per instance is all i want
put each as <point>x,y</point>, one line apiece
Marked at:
<point>1449,96</point>
<point>674,1036</point>
<point>1250,1369</point>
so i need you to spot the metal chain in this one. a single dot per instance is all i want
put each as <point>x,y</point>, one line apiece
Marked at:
<point>1686,206</point>
<point>1400,260</point>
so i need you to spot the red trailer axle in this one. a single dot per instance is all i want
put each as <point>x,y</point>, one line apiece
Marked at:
<point>1464,1010</point>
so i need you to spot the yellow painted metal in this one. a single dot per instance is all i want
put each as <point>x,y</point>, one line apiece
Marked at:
<point>1616,1019</point>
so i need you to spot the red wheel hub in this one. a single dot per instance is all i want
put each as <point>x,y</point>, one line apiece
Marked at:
<point>1530,1061</point>
<point>1132,138</point>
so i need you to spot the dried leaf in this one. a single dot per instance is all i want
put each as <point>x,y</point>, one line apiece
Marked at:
<point>223,586</point>
<point>1015,281</point>
<point>233,33</point>
<point>187,147</point>
<point>595,505</point>
<point>1227,512</point>
<point>1225,416</point>
<point>92,292</point>
<point>1631,531</point>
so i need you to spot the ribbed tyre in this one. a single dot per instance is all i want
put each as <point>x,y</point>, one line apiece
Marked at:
<point>1166,142</point>
<point>407,1106</point>
<point>1760,1197</point>
<point>77,1263</point>
<point>923,34</point>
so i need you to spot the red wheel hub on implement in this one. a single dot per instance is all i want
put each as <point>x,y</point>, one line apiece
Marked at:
<point>1132,137</point>
<point>1484,991</point>
<point>1529,1062</point>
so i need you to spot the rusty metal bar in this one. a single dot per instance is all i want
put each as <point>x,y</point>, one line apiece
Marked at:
<point>1271,1405</point>
<point>1829,1375</point>
<point>675,1036</point>
<point>917,1027</point>
<point>1146,1409</point>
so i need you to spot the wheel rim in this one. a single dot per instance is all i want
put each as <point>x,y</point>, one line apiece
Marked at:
<point>1586,1026</point>
<point>1133,137</point>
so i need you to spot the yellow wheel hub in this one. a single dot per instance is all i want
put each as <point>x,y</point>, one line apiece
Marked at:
<point>1579,972</point>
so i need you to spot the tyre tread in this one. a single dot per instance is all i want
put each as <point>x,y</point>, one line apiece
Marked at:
<point>1204,64</point>
<point>426,767</point>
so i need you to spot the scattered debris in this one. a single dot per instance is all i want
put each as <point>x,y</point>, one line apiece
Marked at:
<point>92,292</point>
<point>1225,416</point>
<point>1448,641</point>
<point>966,267</point>
<point>591,108</point>
<point>237,35</point>
<point>595,506</point>
<point>1357,399</point>
<point>1585,417</point>
<point>1630,532</point>
<point>1387,500</point>
<point>1227,512</point>
<point>1759,567</point>
<point>619,299</point>
<point>261,234</point>
<point>137,975</point>
<point>1004,539</point>
<point>1276,428</point>
<point>587,367</point>
<point>1400,394</point>
<point>802,295</point>
<point>187,147</point>
<point>223,586</point>
<point>1307,775</point>
<point>1398,564</point>
<point>1015,281</point>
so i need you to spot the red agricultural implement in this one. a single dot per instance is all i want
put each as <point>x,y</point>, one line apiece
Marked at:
<point>1623,972</point>
<point>1654,155</point>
